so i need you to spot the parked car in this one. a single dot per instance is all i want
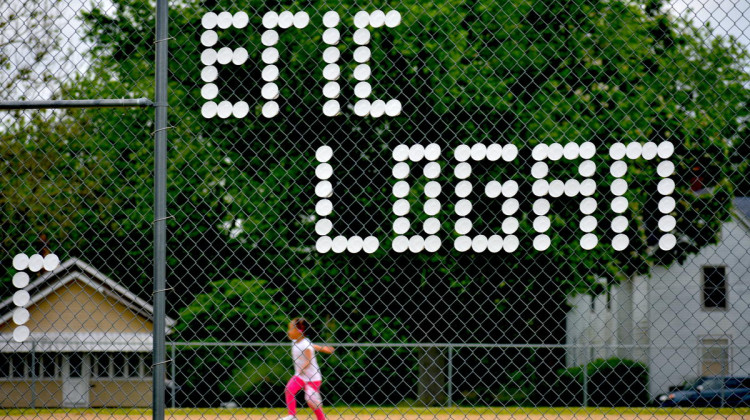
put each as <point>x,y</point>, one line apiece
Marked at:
<point>709,391</point>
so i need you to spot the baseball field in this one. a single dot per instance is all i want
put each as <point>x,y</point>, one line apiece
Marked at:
<point>391,413</point>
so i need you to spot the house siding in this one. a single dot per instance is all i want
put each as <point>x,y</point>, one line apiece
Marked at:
<point>79,307</point>
<point>663,322</point>
<point>679,321</point>
<point>121,393</point>
<point>104,393</point>
<point>18,393</point>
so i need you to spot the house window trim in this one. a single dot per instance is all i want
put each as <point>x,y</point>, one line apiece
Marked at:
<point>7,373</point>
<point>703,289</point>
<point>27,370</point>
<point>119,370</point>
<point>142,370</point>
<point>31,372</point>
<point>124,373</point>
<point>96,375</point>
<point>702,346</point>
<point>56,362</point>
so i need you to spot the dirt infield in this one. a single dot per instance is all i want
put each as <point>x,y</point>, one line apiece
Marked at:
<point>390,413</point>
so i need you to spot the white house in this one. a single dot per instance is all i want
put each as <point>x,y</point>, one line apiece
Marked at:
<point>683,321</point>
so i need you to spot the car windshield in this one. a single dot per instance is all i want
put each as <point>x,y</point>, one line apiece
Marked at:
<point>708,383</point>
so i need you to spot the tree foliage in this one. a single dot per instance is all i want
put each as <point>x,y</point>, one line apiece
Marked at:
<point>521,72</point>
<point>30,40</point>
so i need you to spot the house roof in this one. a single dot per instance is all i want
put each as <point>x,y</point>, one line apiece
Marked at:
<point>79,342</point>
<point>741,210</point>
<point>77,270</point>
<point>742,205</point>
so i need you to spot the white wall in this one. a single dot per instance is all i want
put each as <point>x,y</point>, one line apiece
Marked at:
<point>592,334</point>
<point>678,321</point>
<point>641,323</point>
<point>662,322</point>
<point>577,321</point>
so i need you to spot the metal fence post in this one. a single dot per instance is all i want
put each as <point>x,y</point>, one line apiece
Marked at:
<point>450,376</point>
<point>173,390</point>
<point>33,374</point>
<point>160,211</point>
<point>585,402</point>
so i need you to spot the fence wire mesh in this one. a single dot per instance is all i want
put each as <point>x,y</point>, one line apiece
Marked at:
<point>474,209</point>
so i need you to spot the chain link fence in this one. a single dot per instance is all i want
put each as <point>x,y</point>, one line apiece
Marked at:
<point>478,209</point>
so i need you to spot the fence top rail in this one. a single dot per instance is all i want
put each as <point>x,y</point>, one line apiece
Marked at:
<point>8,341</point>
<point>430,345</point>
<point>83,103</point>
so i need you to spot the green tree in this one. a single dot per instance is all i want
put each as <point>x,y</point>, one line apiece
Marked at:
<point>29,49</point>
<point>38,181</point>
<point>524,72</point>
<point>53,191</point>
<point>237,311</point>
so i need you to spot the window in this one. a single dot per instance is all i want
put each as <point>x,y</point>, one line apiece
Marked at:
<point>121,365</point>
<point>119,368</point>
<point>4,365</point>
<point>715,356</point>
<point>134,364</point>
<point>75,365</point>
<point>712,384</point>
<point>714,287</point>
<point>101,365</point>
<point>48,365</point>
<point>734,383</point>
<point>148,362</point>
<point>19,365</point>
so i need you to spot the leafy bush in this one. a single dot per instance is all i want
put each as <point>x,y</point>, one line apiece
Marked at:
<point>611,383</point>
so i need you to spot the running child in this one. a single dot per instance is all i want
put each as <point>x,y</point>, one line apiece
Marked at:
<point>306,371</point>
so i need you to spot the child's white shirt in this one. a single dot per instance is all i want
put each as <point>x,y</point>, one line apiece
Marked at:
<point>312,372</point>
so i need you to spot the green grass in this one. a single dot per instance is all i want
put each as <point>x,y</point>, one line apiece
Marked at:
<point>398,411</point>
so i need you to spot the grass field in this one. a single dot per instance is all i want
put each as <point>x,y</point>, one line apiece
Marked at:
<point>389,413</point>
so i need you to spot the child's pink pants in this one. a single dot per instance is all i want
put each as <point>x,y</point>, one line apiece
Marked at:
<point>312,396</point>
